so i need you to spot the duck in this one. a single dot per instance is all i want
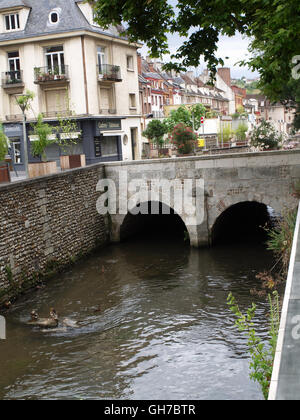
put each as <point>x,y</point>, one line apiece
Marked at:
<point>51,322</point>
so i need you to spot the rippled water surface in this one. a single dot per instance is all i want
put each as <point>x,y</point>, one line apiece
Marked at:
<point>163,331</point>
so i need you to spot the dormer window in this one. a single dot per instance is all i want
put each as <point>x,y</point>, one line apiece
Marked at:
<point>12,22</point>
<point>54,17</point>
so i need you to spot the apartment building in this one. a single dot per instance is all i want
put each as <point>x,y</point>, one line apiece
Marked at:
<point>76,69</point>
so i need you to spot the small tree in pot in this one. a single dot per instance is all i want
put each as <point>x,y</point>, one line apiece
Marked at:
<point>155,133</point>
<point>42,131</point>
<point>4,169</point>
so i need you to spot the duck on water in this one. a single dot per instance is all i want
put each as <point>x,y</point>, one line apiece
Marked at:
<point>51,322</point>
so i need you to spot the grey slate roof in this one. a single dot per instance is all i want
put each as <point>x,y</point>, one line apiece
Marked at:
<point>5,4</point>
<point>71,19</point>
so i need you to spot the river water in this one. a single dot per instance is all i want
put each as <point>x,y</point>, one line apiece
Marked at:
<point>152,324</point>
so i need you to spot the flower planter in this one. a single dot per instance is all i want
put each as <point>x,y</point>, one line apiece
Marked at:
<point>72,161</point>
<point>4,172</point>
<point>41,168</point>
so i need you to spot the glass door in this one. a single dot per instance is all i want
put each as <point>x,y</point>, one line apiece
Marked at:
<point>55,60</point>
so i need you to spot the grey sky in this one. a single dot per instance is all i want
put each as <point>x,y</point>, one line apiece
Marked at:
<point>236,48</point>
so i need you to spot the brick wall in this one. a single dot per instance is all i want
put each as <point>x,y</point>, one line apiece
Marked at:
<point>45,224</point>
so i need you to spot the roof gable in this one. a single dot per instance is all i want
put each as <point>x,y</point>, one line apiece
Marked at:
<point>71,18</point>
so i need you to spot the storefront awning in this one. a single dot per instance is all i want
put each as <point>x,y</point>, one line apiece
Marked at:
<point>112,133</point>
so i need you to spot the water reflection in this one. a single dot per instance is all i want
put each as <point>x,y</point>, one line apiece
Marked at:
<point>163,330</point>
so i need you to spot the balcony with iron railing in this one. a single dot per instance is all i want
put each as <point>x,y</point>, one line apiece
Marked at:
<point>51,75</point>
<point>109,73</point>
<point>12,79</point>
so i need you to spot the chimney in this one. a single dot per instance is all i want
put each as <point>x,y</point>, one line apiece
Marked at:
<point>151,67</point>
<point>139,61</point>
<point>224,72</point>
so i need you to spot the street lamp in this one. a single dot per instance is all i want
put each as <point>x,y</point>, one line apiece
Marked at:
<point>24,103</point>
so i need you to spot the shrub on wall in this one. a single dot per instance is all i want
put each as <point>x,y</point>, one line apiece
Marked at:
<point>265,136</point>
<point>183,138</point>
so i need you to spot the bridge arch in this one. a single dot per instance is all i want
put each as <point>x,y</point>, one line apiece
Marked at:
<point>244,220</point>
<point>153,218</point>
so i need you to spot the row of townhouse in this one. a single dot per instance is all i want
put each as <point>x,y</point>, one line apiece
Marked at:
<point>159,89</point>
<point>261,108</point>
<point>95,77</point>
<point>76,69</point>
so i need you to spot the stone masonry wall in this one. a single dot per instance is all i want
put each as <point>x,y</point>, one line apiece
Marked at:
<point>45,224</point>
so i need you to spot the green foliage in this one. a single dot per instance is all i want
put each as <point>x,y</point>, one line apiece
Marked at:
<point>42,130</point>
<point>241,132</point>
<point>24,101</point>
<point>226,133</point>
<point>184,138</point>
<point>3,144</point>
<point>281,237</point>
<point>262,355</point>
<point>211,114</point>
<point>190,116</point>
<point>68,127</point>
<point>272,25</point>
<point>155,132</point>
<point>265,136</point>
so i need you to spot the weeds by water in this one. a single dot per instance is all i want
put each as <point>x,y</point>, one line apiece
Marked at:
<point>262,355</point>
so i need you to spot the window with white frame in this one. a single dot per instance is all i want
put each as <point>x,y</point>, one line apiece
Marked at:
<point>132,100</point>
<point>101,55</point>
<point>130,63</point>
<point>55,59</point>
<point>13,61</point>
<point>16,152</point>
<point>12,22</point>
<point>54,17</point>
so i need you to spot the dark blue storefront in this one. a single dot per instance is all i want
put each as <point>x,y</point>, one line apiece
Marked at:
<point>100,141</point>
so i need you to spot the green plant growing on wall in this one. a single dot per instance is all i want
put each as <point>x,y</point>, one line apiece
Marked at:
<point>280,239</point>
<point>262,355</point>
<point>42,130</point>
<point>3,144</point>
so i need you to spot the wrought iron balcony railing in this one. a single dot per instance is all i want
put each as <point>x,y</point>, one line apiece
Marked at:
<point>107,72</point>
<point>11,78</point>
<point>51,74</point>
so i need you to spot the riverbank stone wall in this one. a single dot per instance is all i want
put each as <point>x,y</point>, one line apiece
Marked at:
<point>46,224</point>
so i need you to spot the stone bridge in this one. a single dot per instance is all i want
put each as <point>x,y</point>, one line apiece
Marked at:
<point>47,223</point>
<point>265,177</point>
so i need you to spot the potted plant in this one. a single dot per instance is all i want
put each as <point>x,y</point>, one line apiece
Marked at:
<point>4,168</point>
<point>155,133</point>
<point>43,133</point>
<point>184,139</point>
<point>68,137</point>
